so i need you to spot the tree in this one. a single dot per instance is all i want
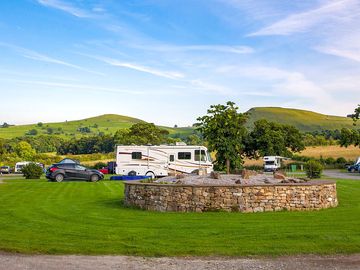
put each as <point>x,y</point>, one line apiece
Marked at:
<point>273,139</point>
<point>40,124</point>
<point>223,129</point>
<point>32,132</point>
<point>356,114</point>
<point>32,171</point>
<point>5,125</point>
<point>24,150</point>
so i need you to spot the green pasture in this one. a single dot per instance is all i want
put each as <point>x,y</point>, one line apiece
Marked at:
<point>76,217</point>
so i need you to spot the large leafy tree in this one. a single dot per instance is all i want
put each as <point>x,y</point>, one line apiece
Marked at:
<point>223,129</point>
<point>351,136</point>
<point>273,139</point>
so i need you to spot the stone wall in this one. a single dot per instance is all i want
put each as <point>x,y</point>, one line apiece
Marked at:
<point>312,195</point>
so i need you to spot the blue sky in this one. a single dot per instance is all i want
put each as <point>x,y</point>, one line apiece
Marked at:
<point>167,61</point>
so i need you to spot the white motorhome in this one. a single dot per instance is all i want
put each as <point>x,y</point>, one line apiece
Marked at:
<point>162,160</point>
<point>272,163</point>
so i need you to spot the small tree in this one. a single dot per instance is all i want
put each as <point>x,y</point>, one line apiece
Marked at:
<point>32,132</point>
<point>223,129</point>
<point>313,169</point>
<point>32,171</point>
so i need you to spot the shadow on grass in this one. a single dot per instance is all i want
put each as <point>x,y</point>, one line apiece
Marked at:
<point>117,204</point>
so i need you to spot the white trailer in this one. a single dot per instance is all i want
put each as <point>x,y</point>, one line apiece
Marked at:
<point>272,163</point>
<point>162,160</point>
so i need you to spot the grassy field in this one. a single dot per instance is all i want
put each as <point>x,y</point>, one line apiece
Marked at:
<point>303,120</point>
<point>335,151</point>
<point>108,123</point>
<point>89,218</point>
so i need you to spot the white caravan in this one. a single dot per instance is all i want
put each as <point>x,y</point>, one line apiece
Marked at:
<point>272,163</point>
<point>162,160</point>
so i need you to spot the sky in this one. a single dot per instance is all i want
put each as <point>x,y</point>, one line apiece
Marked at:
<point>167,61</point>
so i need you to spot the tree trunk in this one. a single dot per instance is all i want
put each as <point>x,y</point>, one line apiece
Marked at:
<point>228,166</point>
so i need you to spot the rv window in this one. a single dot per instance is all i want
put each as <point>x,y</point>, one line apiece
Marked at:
<point>269,162</point>
<point>136,155</point>
<point>197,155</point>
<point>184,155</point>
<point>172,158</point>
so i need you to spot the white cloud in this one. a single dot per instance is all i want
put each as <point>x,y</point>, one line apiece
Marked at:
<point>66,7</point>
<point>237,49</point>
<point>202,85</point>
<point>334,11</point>
<point>150,70</point>
<point>44,58</point>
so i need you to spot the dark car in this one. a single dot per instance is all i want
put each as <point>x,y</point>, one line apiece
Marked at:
<point>60,171</point>
<point>354,168</point>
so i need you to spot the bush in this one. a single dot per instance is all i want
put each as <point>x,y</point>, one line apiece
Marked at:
<point>32,171</point>
<point>341,160</point>
<point>99,165</point>
<point>313,169</point>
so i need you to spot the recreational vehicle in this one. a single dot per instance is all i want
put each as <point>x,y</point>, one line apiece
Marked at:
<point>272,163</point>
<point>162,160</point>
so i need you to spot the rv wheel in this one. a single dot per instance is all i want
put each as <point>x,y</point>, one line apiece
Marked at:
<point>151,174</point>
<point>132,173</point>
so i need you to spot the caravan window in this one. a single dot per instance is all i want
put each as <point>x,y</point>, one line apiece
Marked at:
<point>136,155</point>
<point>197,155</point>
<point>184,155</point>
<point>172,158</point>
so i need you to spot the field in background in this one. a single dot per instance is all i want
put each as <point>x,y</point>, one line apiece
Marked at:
<point>89,218</point>
<point>108,123</point>
<point>303,120</point>
<point>334,151</point>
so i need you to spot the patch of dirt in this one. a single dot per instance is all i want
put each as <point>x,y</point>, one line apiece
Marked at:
<point>46,262</point>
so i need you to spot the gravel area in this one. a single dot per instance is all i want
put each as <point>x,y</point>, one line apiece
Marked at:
<point>341,175</point>
<point>225,179</point>
<point>47,262</point>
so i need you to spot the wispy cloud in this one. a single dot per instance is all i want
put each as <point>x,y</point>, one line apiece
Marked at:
<point>304,21</point>
<point>66,7</point>
<point>33,55</point>
<point>138,67</point>
<point>202,85</point>
<point>238,49</point>
<point>79,87</point>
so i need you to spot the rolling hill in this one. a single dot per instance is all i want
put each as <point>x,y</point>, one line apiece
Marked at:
<point>109,123</point>
<point>305,121</point>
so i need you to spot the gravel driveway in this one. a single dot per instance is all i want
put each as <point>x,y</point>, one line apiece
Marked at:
<point>46,262</point>
<point>342,175</point>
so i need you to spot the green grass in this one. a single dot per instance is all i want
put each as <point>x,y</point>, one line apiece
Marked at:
<point>303,120</point>
<point>107,123</point>
<point>89,218</point>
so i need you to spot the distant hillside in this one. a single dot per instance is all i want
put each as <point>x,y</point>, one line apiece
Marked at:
<point>306,121</point>
<point>107,123</point>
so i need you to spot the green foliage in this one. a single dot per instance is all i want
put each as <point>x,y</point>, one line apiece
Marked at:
<point>50,130</point>
<point>142,134</point>
<point>350,137</point>
<point>84,130</point>
<point>356,114</point>
<point>32,171</point>
<point>313,169</point>
<point>223,129</point>
<point>32,132</point>
<point>99,165</point>
<point>5,125</point>
<point>25,151</point>
<point>272,139</point>
<point>341,160</point>
<point>40,124</point>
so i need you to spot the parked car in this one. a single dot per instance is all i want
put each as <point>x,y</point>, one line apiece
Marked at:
<point>60,171</point>
<point>104,170</point>
<point>5,169</point>
<point>354,168</point>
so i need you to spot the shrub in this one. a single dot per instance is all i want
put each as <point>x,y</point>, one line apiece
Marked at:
<point>32,171</point>
<point>330,161</point>
<point>99,165</point>
<point>313,169</point>
<point>341,160</point>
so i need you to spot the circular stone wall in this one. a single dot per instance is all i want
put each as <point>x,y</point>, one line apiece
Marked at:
<point>311,195</point>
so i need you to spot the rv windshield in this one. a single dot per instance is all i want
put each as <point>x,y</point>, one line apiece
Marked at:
<point>199,154</point>
<point>269,162</point>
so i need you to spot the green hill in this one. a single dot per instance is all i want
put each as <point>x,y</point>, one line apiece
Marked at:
<point>107,123</point>
<point>305,121</point>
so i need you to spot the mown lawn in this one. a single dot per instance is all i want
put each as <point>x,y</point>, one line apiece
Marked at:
<point>89,218</point>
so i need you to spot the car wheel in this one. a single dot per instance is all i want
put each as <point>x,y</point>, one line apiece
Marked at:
<point>132,173</point>
<point>94,178</point>
<point>352,170</point>
<point>59,177</point>
<point>151,174</point>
